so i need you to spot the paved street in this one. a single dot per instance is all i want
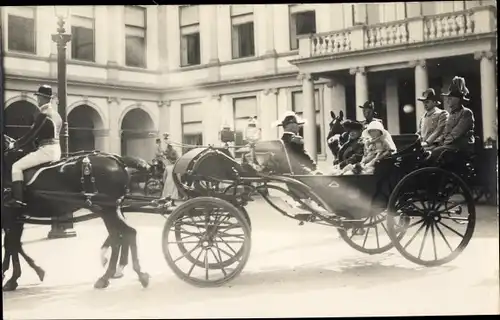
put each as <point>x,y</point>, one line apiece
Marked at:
<point>293,271</point>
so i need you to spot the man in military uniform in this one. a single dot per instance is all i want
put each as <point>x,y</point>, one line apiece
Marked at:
<point>433,121</point>
<point>369,113</point>
<point>301,161</point>
<point>45,131</point>
<point>458,132</point>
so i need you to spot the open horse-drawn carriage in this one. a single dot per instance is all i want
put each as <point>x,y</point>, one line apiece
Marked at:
<point>207,239</point>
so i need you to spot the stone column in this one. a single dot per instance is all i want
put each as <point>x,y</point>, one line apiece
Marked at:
<point>488,93</point>
<point>309,113</point>
<point>270,55</point>
<point>421,84</point>
<point>213,63</point>
<point>269,113</point>
<point>361,83</point>
<point>102,140</point>
<point>164,124</point>
<point>334,98</point>
<point>114,138</point>
<point>392,105</point>
<point>211,122</point>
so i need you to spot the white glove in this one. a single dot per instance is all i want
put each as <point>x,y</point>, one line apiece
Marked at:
<point>11,146</point>
<point>424,144</point>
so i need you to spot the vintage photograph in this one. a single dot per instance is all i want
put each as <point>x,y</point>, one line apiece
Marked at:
<point>249,160</point>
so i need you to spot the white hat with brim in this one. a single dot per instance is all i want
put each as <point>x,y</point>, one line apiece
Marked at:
<point>285,115</point>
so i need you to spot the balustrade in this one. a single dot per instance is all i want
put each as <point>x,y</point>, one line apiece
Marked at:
<point>442,26</point>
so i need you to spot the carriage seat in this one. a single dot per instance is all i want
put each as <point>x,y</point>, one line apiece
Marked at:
<point>273,156</point>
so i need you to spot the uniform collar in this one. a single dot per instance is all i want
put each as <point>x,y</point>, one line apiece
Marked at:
<point>458,109</point>
<point>430,112</point>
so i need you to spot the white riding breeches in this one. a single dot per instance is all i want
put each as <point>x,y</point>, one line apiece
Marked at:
<point>44,154</point>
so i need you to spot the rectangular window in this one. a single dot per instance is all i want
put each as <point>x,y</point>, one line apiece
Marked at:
<point>21,29</point>
<point>301,23</point>
<point>190,35</point>
<point>192,125</point>
<point>135,36</point>
<point>82,35</point>
<point>244,109</point>
<point>243,43</point>
<point>298,107</point>
<point>366,13</point>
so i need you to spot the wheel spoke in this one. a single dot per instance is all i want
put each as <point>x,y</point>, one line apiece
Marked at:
<point>455,218</point>
<point>206,265</point>
<point>366,236</point>
<point>415,223</point>
<point>194,264</point>
<point>433,240</point>
<point>451,229</point>
<point>423,240</point>
<point>414,236</point>
<point>224,251</point>
<point>188,252</point>
<point>444,238</point>
<point>376,235</point>
<point>220,262</point>
<point>230,248</point>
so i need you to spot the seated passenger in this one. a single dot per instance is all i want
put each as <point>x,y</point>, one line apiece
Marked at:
<point>433,121</point>
<point>350,152</point>
<point>300,160</point>
<point>458,132</point>
<point>378,145</point>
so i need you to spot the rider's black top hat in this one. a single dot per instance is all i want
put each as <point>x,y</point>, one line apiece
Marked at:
<point>429,94</point>
<point>350,125</point>
<point>368,105</point>
<point>44,91</point>
<point>457,89</point>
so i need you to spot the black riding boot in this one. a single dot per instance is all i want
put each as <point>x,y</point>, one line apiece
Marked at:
<point>17,195</point>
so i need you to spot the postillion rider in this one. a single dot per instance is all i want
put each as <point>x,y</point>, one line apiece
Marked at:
<point>45,131</point>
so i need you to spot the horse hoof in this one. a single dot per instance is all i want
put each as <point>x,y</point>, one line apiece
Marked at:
<point>144,279</point>
<point>101,283</point>
<point>117,275</point>
<point>10,286</point>
<point>41,273</point>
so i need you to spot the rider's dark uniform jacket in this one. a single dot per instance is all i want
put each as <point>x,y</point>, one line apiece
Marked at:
<point>350,153</point>
<point>459,129</point>
<point>45,129</point>
<point>298,155</point>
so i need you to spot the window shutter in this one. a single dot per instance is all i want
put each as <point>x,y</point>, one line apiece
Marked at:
<point>184,52</point>
<point>251,38</point>
<point>293,32</point>
<point>235,41</point>
<point>373,13</point>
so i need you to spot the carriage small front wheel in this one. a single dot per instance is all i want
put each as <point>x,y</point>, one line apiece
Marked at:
<point>206,241</point>
<point>437,210</point>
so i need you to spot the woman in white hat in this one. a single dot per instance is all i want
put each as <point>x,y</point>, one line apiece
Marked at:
<point>301,161</point>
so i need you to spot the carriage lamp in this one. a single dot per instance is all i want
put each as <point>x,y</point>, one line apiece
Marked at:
<point>227,135</point>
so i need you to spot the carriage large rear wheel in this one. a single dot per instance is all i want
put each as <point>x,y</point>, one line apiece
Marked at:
<point>206,241</point>
<point>438,205</point>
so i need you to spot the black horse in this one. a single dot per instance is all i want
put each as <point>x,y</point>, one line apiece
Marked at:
<point>93,180</point>
<point>336,128</point>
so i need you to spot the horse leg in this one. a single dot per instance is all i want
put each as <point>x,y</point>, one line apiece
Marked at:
<point>114,235</point>
<point>39,271</point>
<point>124,249</point>
<point>6,258</point>
<point>14,236</point>
<point>104,250</point>
<point>131,234</point>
